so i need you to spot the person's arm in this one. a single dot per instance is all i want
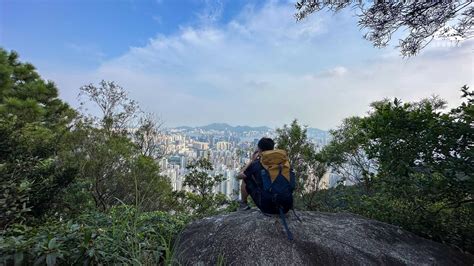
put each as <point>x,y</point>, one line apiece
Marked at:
<point>242,175</point>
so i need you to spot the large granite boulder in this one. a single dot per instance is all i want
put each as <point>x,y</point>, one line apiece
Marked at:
<point>251,238</point>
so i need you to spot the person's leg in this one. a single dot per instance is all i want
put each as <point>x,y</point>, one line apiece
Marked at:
<point>243,192</point>
<point>250,188</point>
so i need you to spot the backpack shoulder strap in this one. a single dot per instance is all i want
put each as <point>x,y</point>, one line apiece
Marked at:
<point>266,180</point>
<point>283,220</point>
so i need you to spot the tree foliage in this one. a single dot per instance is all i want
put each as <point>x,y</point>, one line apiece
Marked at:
<point>202,184</point>
<point>84,188</point>
<point>117,110</point>
<point>146,136</point>
<point>56,160</point>
<point>33,124</point>
<point>346,157</point>
<point>302,155</point>
<point>423,176</point>
<point>423,20</point>
<point>115,153</point>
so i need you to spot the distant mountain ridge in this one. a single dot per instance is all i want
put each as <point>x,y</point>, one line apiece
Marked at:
<point>226,127</point>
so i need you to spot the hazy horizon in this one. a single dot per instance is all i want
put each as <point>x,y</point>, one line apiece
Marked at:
<point>238,125</point>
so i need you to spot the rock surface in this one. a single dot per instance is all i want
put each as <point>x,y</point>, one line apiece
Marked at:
<point>251,238</point>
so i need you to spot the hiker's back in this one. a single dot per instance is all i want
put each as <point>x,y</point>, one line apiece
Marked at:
<point>277,182</point>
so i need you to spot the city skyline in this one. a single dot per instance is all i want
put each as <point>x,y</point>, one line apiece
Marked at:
<point>227,150</point>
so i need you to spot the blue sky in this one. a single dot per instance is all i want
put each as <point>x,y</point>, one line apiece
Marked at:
<point>242,62</point>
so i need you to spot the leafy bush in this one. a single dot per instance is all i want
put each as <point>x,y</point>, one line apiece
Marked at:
<point>412,163</point>
<point>452,226</point>
<point>123,235</point>
<point>202,201</point>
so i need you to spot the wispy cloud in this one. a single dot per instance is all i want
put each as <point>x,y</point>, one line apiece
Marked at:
<point>334,72</point>
<point>88,50</point>
<point>263,68</point>
<point>211,12</point>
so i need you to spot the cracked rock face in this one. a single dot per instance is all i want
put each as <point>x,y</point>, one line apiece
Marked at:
<point>251,238</point>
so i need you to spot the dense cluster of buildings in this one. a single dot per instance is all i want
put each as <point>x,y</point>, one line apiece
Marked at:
<point>227,150</point>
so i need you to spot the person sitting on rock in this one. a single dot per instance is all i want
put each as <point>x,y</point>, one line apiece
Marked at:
<point>268,179</point>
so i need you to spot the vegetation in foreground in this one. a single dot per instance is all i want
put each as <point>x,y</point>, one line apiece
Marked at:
<point>80,188</point>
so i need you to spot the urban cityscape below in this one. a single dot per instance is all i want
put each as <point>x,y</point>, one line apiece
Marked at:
<point>228,148</point>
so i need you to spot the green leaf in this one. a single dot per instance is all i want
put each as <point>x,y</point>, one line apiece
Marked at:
<point>18,258</point>
<point>91,252</point>
<point>40,260</point>
<point>87,237</point>
<point>52,243</point>
<point>51,259</point>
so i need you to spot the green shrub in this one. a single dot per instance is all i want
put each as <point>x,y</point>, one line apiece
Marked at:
<point>412,163</point>
<point>452,226</point>
<point>123,235</point>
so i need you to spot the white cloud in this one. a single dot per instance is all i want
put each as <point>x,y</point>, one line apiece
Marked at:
<point>334,72</point>
<point>212,11</point>
<point>263,68</point>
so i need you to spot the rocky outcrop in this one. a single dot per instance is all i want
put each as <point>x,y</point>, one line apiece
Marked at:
<point>251,238</point>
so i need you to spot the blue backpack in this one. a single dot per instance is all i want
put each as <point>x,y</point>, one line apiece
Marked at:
<point>277,197</point>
